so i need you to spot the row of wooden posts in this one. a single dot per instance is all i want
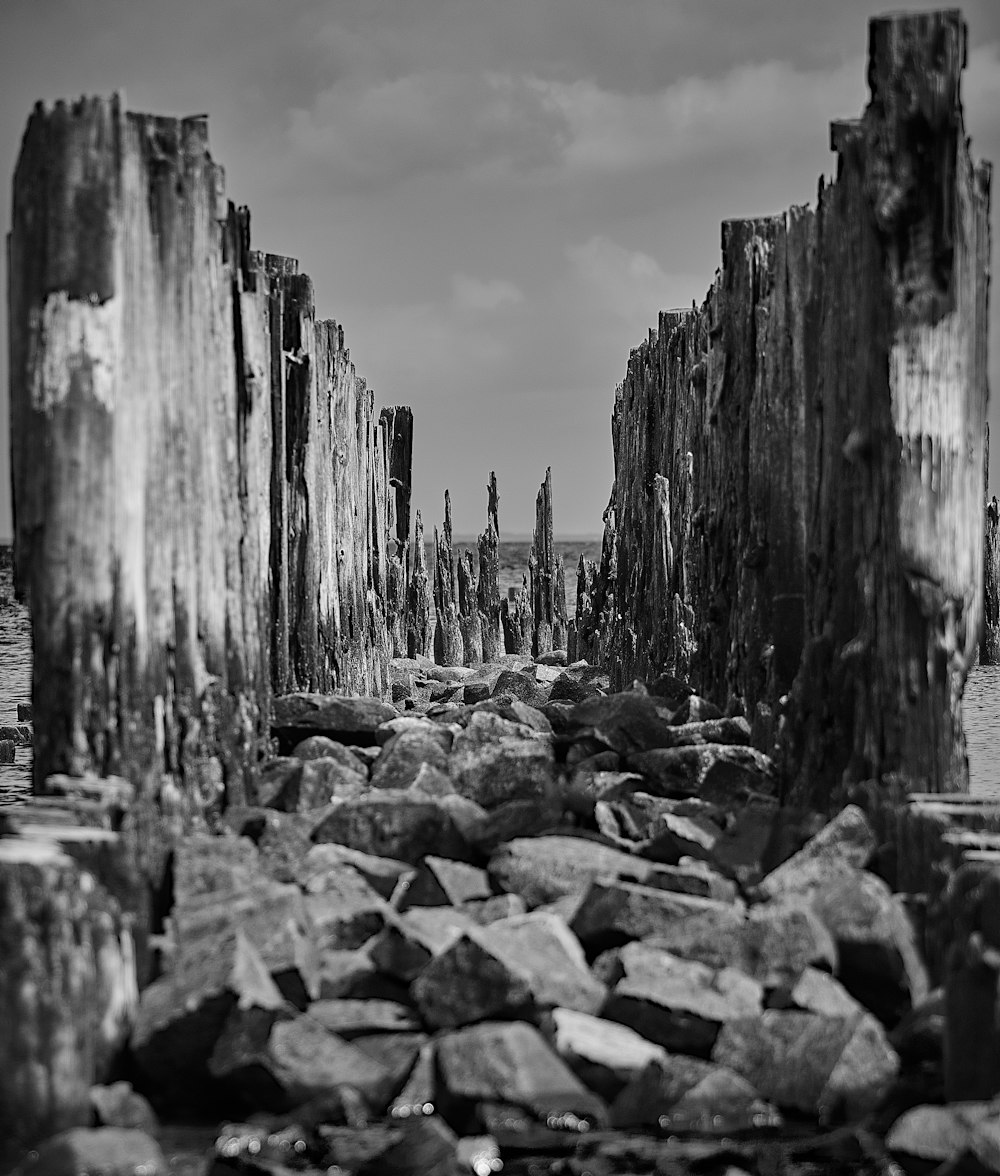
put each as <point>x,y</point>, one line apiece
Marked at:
<point>208,508</point>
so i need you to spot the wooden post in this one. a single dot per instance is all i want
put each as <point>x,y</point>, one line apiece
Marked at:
<point>448,649</point>
<point>419,630</point>
<point>989,647</point>
<point>548,608</point>
<point>469,622</point>
<point>488,587</point>
<point>517,618</point>
<point>398,426</point>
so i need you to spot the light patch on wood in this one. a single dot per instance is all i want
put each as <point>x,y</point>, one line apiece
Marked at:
<point>928,381</point>
<point>73,337</point>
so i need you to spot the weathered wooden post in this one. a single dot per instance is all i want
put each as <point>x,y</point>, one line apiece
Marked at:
<point>488,587</point>
<point>989,647</point>
<point>547,582</point>
<point>448,650</point>
<point>419,624</point>
<point>469,623</point>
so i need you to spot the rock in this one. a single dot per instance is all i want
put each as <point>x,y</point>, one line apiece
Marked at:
<point>542,869</point>
<point>515,965</point>
<point>411,940</point>
<point>20,735</point>
<point>419,1093</point>
<point>414,724</point>
<point>8,748</point>
<point>679,1004</point>
<point>342,972</point>
<point>327,862</point>
<point>605,1056</point>
<point>809,1062</point>
<point>693,709</point>
<point>734,731</point>
<point>407,752</point>
<point>520,685</point>
<point>531,717</point>
<point>815,992</point>
<point>691,876</point>
<point>715,772</point>
<point>627,722</point>
<point>388,823</point>
<point>347,912</point>
<point>442,882</point>
<point>612,912</point>
<point>569,688</point>
<point>848,840</point>
<point>118,1105</point>
<point>489,765</point>
<point>510,1062</point>
<point>941,1134</point>
<point>343,719</point>
<point>421,1146</point>
<point>473,692</point>
<point>321,747</point>
<point>744,846</point>
<point>919,1036</point>
<point>553,657</point>
<point>291,786</point>
<point>353,1018</point>
<point>672,691</point>
<point>499,906</point>
<point>24,712</point>
<point>432,781</point>
<point>879,960</point>
<point>774,944</point>
<point>524,817</point>
<point>673,837</point>
<point>676,1093</point>
<point>301,1059</point>
<point>99,1151</point>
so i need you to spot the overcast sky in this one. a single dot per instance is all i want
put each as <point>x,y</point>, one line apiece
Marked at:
<point>495,197</point>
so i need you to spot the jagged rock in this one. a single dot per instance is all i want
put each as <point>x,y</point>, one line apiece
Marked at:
<point>282,839</point>
<point>810,1062</point>
<point>774,943</point>
<point>388,823</point>
<point>224,907</point>
<point>694,709</point>
<point>97,1151</point>
<point>760,835</point>
<point>603,1054</point>
<point>443,882</point>
<point>525,962</point>
<point>421,1146</point>
<point>569,688</point>
<point>411,940</point>
<point>847,840</point>
<point>943,1134</point>
<point>521,685</point>
<point>523,817</point>
<point>321,747</point>
<point>118,1105</point>
<point>612,912</point>
<point>352,1018</point>
<point>511,1062</point>
<point>542,869</point>
<point>677,1093</point>
<point>498,906</point>
<point>716,772</point>
<point>473,692</point>
<point>300,1059</point>
<point>347,912</point>
<point>627,723</point>
<point>489,764</point>
<point>407,752</point>
<point>293,786</point>
<point>24,712</point>
<point>529,715</point>
<point>419,1093</point>
<point>679,1004</point>
<point>674,836</point>
<point>342,972</point>
<point>692,876</point>
<point>880,963</point>
<point>414,724</point>
<point>815,992</point>
<point>343,719</point>
<point>325,863</point>
<point>432,781</point>
<point>735,731</point>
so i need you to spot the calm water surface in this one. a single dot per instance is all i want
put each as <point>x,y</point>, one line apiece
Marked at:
<point>982,692</point>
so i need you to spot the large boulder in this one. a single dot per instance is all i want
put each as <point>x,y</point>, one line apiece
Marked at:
<point>389,823</point>
<point>825,1066</point>
<point>542,869</point>
<point>604,1054</point>
<point>342,719</point>
<point>516,965</point>
<point>612,912</point>
<point>493,761</point>
<point>407,752</point>
<point>718,772</point>
<point>679,1004</point>
<point>848,840</point>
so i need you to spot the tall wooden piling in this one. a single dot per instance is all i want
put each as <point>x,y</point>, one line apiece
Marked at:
<point>989,646</point>
<point>799,463</point>
<point>488,585</point>
<point>448,648</point>
<point>548,581</point>
<point>419,601</point>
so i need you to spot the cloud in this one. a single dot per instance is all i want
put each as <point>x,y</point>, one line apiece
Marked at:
<point>474,294</point>
<point>435,121</point>
<point>627,283</point>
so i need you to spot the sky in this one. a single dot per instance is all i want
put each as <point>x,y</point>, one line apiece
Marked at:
<point>494,197</point>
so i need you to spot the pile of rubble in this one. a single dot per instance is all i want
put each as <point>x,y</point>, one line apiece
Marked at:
<point>522,923</point>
